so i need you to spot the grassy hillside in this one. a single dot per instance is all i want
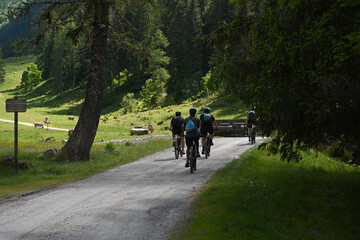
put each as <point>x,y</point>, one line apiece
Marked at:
<point>114,125</point>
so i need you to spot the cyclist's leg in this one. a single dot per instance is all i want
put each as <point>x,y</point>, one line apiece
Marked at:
<point>188,146</point>
<point>197,146</point>
<point>182,138</point>
<point>212,134</point>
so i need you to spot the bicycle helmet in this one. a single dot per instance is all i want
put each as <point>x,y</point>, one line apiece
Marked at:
<point>177,113</point>
<point>207,110</point>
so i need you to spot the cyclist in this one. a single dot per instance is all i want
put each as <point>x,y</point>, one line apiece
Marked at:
<point>176,127</point>
<point>207,121</point>
<point>250,121</point>
<point>191,126</point>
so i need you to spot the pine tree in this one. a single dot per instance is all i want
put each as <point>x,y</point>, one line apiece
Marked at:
<point>153,92</point>
<point>2,70</point>
<point>57,60</point>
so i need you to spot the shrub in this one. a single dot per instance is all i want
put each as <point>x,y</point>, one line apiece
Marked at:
<point>110,146</point>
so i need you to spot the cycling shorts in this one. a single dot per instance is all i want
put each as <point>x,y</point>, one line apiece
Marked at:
<point>205,130</point>
<point>176,131</point>
<point>190,140</point>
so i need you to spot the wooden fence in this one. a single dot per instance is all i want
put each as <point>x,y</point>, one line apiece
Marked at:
<point>231,128</point>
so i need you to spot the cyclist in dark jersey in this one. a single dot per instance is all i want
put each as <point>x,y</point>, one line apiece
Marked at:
<point>176,126</point>
<point>191,134</point>
<point>207,121</point>
<point>250,120</point>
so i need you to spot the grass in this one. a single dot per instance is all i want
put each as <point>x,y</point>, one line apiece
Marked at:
<point>42,102</point>
<point>260,197</point>
<point>49,171</point>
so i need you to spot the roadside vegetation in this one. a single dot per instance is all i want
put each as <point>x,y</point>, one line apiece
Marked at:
<point>43,171</point>
<point>261,197</point>
<point>115,124</point>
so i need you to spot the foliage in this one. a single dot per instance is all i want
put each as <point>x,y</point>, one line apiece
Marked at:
<point>31,76</point>
<point>121,79</point>
<point>212,81</point>
<point>129,103</point>
<point>110,146</point>
<point>153,92</point>
<point>298,67</point>
<point>192,86</point>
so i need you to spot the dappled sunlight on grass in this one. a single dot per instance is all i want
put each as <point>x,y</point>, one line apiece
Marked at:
<point>260,197</point>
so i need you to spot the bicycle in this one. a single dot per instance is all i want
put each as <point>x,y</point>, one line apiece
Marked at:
<point>252,134</point>
<point>192,157</point>
<point>177,146</point>
<point>207,146</point>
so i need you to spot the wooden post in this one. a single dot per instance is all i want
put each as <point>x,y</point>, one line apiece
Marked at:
<point>15,105</point>
<point>16,141</point>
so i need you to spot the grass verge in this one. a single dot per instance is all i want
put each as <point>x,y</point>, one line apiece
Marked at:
<point>260,197</point>
<point>48,172</point>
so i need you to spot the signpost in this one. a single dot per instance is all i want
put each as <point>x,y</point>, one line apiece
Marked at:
<point>16,105</point>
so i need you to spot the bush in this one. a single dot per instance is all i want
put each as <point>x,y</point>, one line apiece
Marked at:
<point>339,151</point>
<point>128,143</point>
<point>110,146</point>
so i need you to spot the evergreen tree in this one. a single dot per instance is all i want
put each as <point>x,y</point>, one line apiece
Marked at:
<point>57,62</point>
<point>153,92</point>
<point>184,31</point>
<point>2,70</point>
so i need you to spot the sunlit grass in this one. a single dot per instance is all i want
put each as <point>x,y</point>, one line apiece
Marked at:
<point>50,171</point>
<point>260,197</point>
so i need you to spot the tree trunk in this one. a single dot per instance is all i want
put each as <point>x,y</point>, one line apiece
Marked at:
<point>79,145</point>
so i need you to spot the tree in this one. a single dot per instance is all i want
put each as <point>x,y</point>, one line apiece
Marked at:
<point>31,77</point>
<point>153,91</point>
<point>91,19</point>
<point>297,65</point>
<point>57,62</point>
<point>184,32</point>
<point>2,70</point>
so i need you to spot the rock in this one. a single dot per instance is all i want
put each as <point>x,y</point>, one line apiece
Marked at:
<point>64,141</point>
<point>9,159</point>
<point>51,151</point>
<point>50,139</point>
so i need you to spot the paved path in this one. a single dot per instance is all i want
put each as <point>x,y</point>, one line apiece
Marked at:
<point>144,199</point>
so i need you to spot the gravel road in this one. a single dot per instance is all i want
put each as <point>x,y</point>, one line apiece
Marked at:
<point>140,200</point>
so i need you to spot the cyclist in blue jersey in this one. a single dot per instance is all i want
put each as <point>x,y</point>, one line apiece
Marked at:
<point>191,126</point>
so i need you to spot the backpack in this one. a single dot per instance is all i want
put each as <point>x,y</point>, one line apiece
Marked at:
<point>190,126</point>
<point>251,115</point>
<point>207,117</point>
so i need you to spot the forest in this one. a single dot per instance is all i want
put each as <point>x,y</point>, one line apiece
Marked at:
<point>295,60</point>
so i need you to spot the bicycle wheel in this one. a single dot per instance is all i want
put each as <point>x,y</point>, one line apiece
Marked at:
<point>206,147</point>
<point>252,136</point>
<point>176,148</point>
<point>192,158</point>
<point>179,146</point>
